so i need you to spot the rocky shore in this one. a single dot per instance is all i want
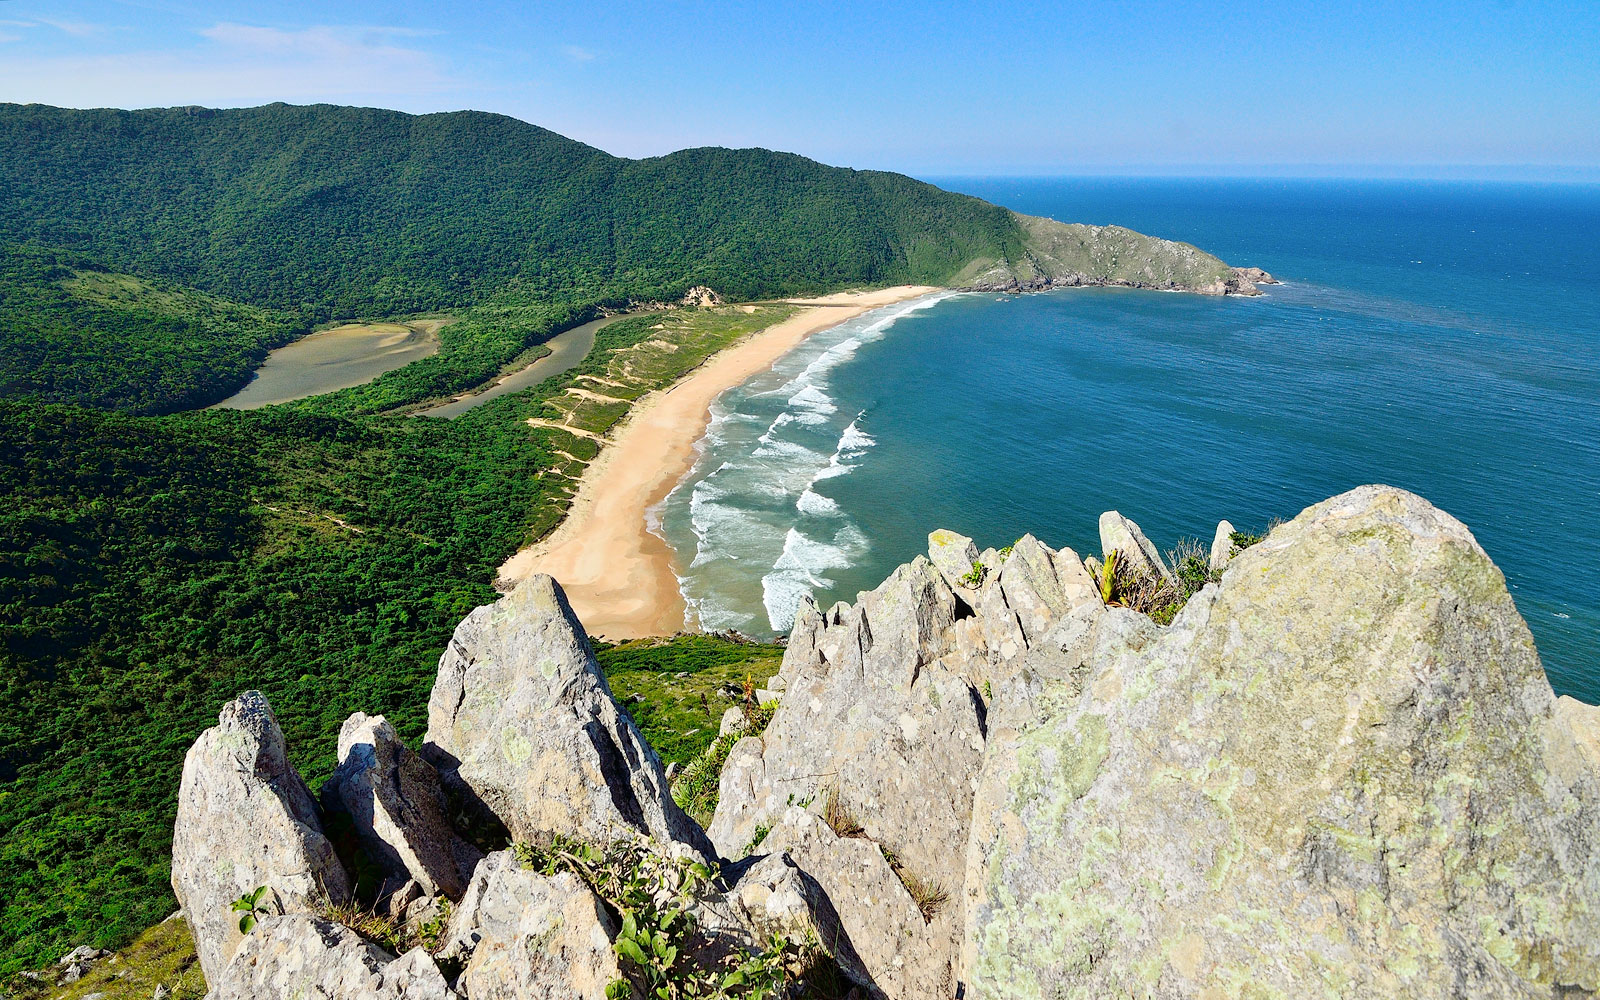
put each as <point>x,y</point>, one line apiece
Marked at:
<point>1338,771</point>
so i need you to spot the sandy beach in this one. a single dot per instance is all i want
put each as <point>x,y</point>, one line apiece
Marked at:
<point>617,574</point>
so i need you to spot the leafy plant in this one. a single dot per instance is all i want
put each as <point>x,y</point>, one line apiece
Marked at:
<point>654,897</point>
<point>1108,578</point>
<point>250,904</point>
<point>974,577</point>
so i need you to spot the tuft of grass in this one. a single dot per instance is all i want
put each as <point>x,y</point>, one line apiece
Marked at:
<point>929,896</point>
<point>838,815</point>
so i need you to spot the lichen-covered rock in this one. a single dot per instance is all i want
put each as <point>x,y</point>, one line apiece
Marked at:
<point>1340,773</point>
<point>873,719</point>
<point>522,719</point>
<point>1040,585</point>
<point>245,820</point>
<point>302,956</point>
<point>882,930</point>
<point>1121,534</point>
<point>524,934</point>
<point>398,807</point>
<point>1222,547</point>
<point>953,556</point>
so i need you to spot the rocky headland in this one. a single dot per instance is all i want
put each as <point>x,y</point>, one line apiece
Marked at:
<point>1338,771</point>
<point>1073,255</point>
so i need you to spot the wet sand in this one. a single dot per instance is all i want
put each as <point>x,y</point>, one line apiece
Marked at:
<point>616,572</point>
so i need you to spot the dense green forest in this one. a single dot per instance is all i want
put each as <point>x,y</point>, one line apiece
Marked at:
<point>155,559</point>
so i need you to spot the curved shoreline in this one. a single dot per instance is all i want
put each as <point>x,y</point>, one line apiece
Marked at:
<point>618,574</point>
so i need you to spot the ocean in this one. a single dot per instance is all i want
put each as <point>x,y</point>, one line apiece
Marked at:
<point>1441,337</point>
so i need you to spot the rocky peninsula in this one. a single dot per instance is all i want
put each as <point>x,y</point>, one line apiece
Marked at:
<point>1338,771</point>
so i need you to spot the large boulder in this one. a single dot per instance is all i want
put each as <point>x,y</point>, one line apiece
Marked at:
<point>524,934</point>
<point>1340,773</point>
<point>398,806</point>
<point>522,721</point>
<point>304,956</point>
<point>1140,555</point>
<point>246,820</point>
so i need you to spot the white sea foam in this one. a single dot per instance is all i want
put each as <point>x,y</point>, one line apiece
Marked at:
<point>814,503</point>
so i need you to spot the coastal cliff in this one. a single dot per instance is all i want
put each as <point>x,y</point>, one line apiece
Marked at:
<point>1339,770</point>
<point>1070,254</point>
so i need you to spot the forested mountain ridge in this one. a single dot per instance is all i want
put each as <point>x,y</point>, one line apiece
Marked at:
<point>344,210</point>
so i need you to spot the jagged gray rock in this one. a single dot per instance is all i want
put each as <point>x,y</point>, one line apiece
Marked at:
<point>872,718</point>
<point>881,927</point>
<point>523,934</point>
<point>522,719</point>
<point>398,807</point>
<point>1121,534</point>
<point>1222,547</point>
<point>246,819</point>
<point>953,556</point>
<point>300,955</point>
<point>1340,772</point>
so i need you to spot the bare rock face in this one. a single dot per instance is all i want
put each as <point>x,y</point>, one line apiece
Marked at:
<point>246,819</point>
<point>882,930</point>
<point>1222,547</point>
<point>523,934</point>
<point>303,956</point>
<point>522,719</point>
<point>1120,534</point>
<point>872,719</point>
<point>1341,772</point>
<point>398,806</point>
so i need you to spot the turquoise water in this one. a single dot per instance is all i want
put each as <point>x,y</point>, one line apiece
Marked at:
<point>1442,338</point>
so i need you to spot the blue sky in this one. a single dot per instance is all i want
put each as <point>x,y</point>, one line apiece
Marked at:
<point>1430,89</point>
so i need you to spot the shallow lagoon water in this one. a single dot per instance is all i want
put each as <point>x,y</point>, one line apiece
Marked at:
<point>339,358</point>
<point>1441,338</point>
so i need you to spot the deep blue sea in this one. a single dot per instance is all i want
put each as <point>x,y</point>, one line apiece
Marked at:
<point>1440,337</point>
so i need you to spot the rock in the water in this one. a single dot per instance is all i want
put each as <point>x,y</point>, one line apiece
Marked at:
<point>1222,547</point>
<point>1121,534</point>
<point>1342,773</point>
<point>523,934</point>
<point>953,556</point>
<point>522,718</point>
<point>398,806</point>
<point>245,820</point>
<point>304,956</point>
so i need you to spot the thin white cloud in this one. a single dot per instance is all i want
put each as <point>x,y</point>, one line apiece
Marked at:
<point>577,53</point>
<point>6,36</point>
<point>235,64</point>
<point>77,29</point>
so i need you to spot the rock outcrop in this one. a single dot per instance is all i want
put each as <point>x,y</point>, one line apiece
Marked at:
<point>1071,254</point>
<point>246,820</point>
<point>1222,547</point>
<point>398,806</point>
<point>522,934</point>
<point>522,721</point>
<point>304,956</point>
<point>1121,535</point>
<point>1339,772</point>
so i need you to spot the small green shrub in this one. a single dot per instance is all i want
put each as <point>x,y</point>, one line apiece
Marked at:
<point>654,898</point>
<point>250,905</point>
<point>974,577</point>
